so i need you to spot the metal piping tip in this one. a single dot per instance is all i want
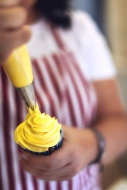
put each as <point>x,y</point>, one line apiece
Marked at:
<point>28,95</point>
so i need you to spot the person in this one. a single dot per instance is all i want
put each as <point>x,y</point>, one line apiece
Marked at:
<point>75,81</point>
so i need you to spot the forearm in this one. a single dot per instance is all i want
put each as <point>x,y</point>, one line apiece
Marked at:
<point>114,131</point>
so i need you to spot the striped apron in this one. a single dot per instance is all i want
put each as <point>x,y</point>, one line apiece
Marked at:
<point>61,91</point>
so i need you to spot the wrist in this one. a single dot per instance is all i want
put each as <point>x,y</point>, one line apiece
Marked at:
<point>100,145</point>
<point>91,145</point>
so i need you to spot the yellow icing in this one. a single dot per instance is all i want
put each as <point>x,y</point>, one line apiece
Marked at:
<point>38,132</point>
<point>18,67</point>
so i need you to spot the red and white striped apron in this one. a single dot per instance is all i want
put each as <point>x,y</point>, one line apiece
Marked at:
<point>61,91</point>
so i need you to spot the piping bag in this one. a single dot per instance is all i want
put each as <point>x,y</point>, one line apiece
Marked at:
<point>19,70</point>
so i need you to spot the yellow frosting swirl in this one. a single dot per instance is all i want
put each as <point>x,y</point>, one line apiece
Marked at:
<point>38,132</point>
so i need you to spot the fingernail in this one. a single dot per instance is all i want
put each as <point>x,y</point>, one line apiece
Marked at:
<point>24,156</point>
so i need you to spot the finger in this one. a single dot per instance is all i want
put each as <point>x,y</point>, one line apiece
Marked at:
<point>69,170</point>
<point>28,168</point>
<point>12,18</point>
<point>64,173</point>
<point>63,178</point>
<point>35,172</point>
<point>12,40</point>
<point>56,160</point>
<point>9,2</point>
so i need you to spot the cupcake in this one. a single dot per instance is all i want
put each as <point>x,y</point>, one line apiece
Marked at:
<point>39,134</point>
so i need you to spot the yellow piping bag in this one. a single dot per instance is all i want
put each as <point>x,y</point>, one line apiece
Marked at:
<point>19,70</point>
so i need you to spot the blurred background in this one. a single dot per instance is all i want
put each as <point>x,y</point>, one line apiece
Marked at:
<point>111,18</point>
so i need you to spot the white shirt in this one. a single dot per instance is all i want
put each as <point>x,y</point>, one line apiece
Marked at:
<point>84,38</point>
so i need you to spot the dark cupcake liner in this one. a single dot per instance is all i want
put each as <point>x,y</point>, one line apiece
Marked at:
<point>51,149</point>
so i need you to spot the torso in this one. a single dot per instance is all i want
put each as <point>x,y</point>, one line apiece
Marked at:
<point>63,91</point>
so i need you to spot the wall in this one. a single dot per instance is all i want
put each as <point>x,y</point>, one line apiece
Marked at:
<point>116,31</point>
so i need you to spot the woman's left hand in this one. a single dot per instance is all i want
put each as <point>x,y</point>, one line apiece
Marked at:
<point>79,148</point>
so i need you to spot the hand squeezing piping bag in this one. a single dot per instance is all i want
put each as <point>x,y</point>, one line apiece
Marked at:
<point>19,70</point>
